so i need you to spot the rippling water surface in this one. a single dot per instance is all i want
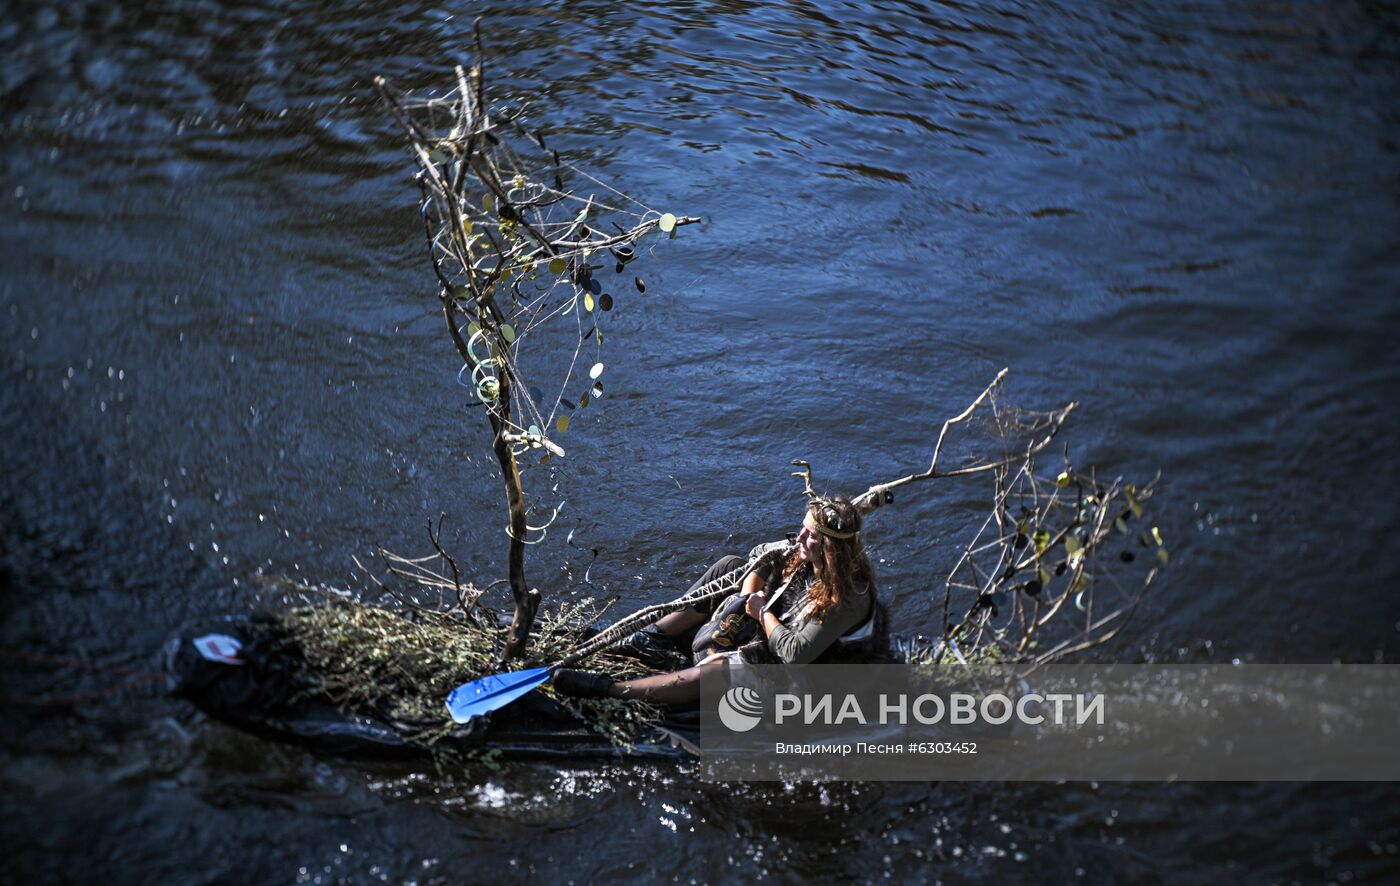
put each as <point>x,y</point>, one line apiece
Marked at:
<point>221,362</point>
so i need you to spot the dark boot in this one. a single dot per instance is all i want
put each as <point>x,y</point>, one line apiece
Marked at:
<point>654,648</point>
<point>582,684</point>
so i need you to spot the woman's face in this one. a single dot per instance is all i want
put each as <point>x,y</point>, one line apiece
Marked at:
<point>809,540</point>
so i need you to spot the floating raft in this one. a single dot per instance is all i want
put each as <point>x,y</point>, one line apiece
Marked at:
<point>226,670</point>
<point>223,669</point>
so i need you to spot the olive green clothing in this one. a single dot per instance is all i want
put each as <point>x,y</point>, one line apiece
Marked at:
<point>799,639</point>
<point>807,638</point>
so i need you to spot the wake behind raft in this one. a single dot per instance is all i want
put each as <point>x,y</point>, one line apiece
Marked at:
<point>241,670</point>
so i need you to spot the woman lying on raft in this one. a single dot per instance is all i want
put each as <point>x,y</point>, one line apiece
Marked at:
<point>823,589</point>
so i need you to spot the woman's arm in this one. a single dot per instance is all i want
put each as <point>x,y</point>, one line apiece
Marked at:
<point>802,645</point>
<point>754,583</point>
<point>756,608</point>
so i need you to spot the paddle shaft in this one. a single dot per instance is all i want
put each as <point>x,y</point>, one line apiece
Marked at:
<point>486,694</point>
<point>722,585</point>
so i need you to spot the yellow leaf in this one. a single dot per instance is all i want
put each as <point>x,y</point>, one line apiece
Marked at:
<point>1120,525</point>
<point>563,424</point>
<point>508,333</point>
<point>588,302</point>
<point>667,223</point>
<point>1063,480</point>
<point>1162,555</point>
<point>1136,508</point>
<point>557,265</point>
<point>1157,536</point>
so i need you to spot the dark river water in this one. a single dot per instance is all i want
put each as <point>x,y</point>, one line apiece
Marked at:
<point>222,363</point>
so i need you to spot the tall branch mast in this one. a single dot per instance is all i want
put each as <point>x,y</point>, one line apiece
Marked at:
<point>510,251</point>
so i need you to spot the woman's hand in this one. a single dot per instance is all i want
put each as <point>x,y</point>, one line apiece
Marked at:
<point>753,607</point>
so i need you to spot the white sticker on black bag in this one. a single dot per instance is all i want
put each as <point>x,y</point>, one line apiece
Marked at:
<point>219,647</point>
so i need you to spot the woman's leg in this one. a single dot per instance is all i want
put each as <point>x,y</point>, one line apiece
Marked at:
<point>676,624</point>
<point>678,687</point>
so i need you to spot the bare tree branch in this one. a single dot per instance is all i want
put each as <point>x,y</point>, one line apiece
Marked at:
<point>492,220</point>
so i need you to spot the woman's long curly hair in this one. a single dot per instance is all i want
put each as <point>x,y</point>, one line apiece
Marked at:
<point>842,566</point>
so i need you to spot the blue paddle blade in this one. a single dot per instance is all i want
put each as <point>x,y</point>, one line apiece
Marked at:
<point>483,696</point>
